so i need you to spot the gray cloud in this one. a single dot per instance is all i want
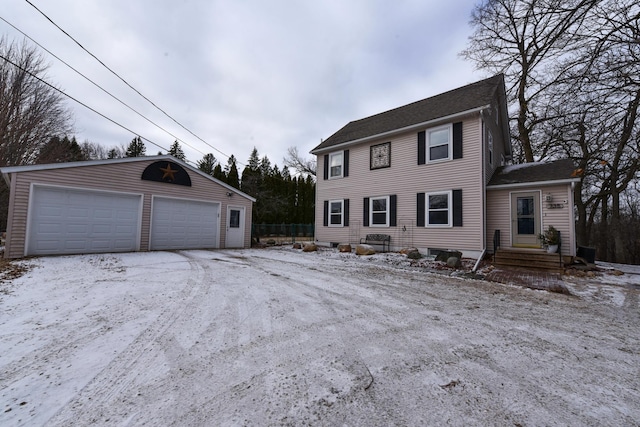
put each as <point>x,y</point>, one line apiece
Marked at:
<point>247,73</point>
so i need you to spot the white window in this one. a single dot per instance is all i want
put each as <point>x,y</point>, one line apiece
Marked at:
<point>379,211</point>
<point>335,165</point>
<point>440,143</point>
<point>439,210</point>
<point>336,213</point>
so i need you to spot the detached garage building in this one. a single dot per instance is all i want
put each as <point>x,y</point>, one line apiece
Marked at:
<point>122,205</point>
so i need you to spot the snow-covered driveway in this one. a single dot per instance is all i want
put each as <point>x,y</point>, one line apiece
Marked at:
<point>281,337</point>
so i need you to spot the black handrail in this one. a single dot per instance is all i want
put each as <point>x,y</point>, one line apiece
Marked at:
<point>560,247</point>
<point>496,241</point>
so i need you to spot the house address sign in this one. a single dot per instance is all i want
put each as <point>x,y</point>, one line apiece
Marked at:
<point>555,205</point>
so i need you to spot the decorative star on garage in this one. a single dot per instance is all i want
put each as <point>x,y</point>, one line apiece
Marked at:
<point>166,171</point>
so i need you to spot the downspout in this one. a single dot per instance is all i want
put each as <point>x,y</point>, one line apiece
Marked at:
<point>483,192</point>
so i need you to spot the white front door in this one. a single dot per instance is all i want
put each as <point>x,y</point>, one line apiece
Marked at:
<point>525,219</point>
<point>235,227</point>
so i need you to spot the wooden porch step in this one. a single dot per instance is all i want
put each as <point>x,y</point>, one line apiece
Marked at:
<point>531,259</point>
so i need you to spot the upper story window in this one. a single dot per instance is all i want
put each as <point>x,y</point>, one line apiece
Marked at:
<point>440,143</point>
<point>335,165</point>
<point>379,212</point>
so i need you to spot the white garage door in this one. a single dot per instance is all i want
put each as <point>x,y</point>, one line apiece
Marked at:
<point>74,221</point>
<point>184,224</point>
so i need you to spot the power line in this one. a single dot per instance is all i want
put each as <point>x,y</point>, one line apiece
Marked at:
<point>124,81</point>
<point>100,87</point>
<point>79,102</point>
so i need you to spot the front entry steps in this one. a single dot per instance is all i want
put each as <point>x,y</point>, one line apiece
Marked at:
<point>529,259</point>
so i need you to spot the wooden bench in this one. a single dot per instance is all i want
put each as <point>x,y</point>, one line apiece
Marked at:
<point>378,239</point>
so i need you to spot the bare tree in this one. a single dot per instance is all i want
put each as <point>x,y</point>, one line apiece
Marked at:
<point>526,40</point>
<point>31,112</point>
<point>94,151</point>
<point>599,103</point>
<point>572,72</point>
<point>301,165</point>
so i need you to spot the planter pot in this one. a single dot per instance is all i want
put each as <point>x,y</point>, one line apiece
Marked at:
<point>552,249</point>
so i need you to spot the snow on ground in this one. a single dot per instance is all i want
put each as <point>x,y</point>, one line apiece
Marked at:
<point>281,337</point>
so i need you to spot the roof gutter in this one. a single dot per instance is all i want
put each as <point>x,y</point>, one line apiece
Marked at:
<point>400,130</point>
<point>6,179</point>
<point>571,181</point>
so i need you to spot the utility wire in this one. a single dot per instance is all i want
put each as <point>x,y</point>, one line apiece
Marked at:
<point>125,82</point>
<point>78,101</point>
<point>100,87</point>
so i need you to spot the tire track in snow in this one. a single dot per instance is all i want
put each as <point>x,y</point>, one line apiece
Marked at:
<point>108,385</point>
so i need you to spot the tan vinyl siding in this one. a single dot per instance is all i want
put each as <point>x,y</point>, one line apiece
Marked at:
<point>118,177</point>
<point>405,178</point>
<point>499,214</point>
<point>498,217</point>
<point>499,145</point>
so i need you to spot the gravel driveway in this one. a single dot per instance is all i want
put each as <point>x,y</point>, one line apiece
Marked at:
<point>281,337</point>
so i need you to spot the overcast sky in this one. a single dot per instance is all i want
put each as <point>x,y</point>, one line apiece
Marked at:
<point>245,73</point>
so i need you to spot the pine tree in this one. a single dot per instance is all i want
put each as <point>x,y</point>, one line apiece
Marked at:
<point>218,173</point>
<point>208,164</point>
<point>176,151</point>
<point>232,172</point>
<point>60,150</point>
<point>136,148</point>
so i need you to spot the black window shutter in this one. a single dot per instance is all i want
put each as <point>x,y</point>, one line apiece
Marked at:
<point>457,140</point>
<point>345,218</point>
<point>326,166</point>
<point>325,218</point>
<point>393,201</point>
<point>345,163</point>
<point>457,208</point>
<point>421,210</point>
<point>422,148</point>
<point>365,212</point>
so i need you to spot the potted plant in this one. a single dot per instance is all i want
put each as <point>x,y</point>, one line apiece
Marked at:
<point>550,239</point>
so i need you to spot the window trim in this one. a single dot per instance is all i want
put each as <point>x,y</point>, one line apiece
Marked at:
<point>387,211</point>
<point>331,156</point>
<point>330,214</point>
<point>449,128</point>
<point>449,209</point>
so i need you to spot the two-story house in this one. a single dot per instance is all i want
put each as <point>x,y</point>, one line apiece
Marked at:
<point>432,175</point>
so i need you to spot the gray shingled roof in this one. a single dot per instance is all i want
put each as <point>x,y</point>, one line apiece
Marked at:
<point>466,98</point>
<point>558,170</point>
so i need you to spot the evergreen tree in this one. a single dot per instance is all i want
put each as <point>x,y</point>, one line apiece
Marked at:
<point>265,166</point>
<point>218,173</point>
<point>136,148</point>
<point>207,164</point>
<point>176,151</point>
<point>232,172</point>
<point>114,153</point>
<point>251,176</point>
<point>254,160</point>
<point>60,150</point>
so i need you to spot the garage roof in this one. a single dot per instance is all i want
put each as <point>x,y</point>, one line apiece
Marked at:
<point>6,171</point>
